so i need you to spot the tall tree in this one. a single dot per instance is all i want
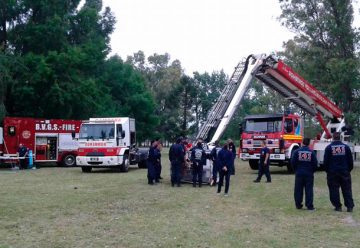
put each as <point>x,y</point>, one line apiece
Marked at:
<point>163,78</point>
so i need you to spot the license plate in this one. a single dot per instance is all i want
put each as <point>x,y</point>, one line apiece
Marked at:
<point>94,159</point>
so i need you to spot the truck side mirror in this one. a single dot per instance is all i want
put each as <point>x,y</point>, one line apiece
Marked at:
<point>73,134</point>
<point>122,134</point>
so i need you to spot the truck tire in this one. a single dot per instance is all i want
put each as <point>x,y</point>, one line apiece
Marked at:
<point>69,160</point>
<point>86,169</point>
<point>124,167</point>
<point>142,164</point>
<point>254,164</point>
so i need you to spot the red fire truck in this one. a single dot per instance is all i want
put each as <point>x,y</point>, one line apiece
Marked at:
<point>50,140</point>
<point>283,134</point>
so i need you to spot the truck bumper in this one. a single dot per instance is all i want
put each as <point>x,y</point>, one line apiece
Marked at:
<point>247,156</point>
<point>106,161</point>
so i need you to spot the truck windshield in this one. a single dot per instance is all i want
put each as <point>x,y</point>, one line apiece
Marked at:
<point>262,125</point>
<point>97,131</point>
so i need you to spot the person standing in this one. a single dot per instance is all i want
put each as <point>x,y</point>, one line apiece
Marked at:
<point>22,153</point>
<point>264,163</point>
<point>151,162</point>
<point>232,148</point>
<point>158,166</point>
<point>225,157</point>
<point>338,163</point>
<point>176,157</point>
<point>198,159</point>
<point>305,164</point>
<point>215,161</point>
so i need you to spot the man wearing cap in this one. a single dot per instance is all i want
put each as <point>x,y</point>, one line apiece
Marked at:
<point>338,163</point>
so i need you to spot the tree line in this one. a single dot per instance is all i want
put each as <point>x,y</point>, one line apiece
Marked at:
<point>55,63</point>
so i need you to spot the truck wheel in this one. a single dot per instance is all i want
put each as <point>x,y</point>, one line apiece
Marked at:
<point>69,160</point>
<point>254,164</point>
<point>142,164</point>
<point>86,169</point>
<point>124,167</point>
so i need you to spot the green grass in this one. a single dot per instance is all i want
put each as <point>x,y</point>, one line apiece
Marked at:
<point>63,207</point>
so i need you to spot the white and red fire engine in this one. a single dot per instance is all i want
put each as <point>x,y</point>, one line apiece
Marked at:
<point>50,140</point>
<point>109,143</point>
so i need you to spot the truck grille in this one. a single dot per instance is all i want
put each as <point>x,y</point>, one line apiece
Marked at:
<point>95,154</point>
<point>257,143</point>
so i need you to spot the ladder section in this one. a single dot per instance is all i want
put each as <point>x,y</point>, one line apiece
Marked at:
<point>219,108</point>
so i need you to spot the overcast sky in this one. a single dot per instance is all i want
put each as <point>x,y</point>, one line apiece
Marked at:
<point>205,35</point>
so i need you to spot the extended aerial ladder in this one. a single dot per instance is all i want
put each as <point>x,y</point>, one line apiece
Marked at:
<point>280,77</point>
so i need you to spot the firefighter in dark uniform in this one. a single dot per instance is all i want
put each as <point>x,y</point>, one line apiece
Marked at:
<point>215,161</point>
<point>264,164</point>
<point>151,162</point>
<point>198,160</point>
<point>176,157</point>
<point>158,166</point>
<point>338,163</point>
<point>305,163</point>
<point>225,160</point>
<point>22,154</point>
<point>232,148</point>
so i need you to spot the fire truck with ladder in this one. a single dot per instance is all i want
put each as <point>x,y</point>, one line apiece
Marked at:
<point>109,143</point>
<point>50,139</point>
<point>283,133</point>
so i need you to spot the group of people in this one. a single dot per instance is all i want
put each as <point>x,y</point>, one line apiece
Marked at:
<point>338,163</point>
<point>222,157</point>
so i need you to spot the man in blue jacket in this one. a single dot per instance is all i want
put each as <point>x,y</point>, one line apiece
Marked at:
<point>198,159</point>
<point>176,157</point>
<point>338,163</point>
<point>305,163</point>
<point>225,168</point>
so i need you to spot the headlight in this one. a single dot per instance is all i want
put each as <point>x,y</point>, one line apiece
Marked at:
<point>244,150</point>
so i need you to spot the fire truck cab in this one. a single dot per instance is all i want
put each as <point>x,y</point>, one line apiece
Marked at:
<point>282,133</point>
<point>50,140</point>
<point>109,143</point>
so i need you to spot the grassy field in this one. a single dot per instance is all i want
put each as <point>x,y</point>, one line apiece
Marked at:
<point>63,207</point>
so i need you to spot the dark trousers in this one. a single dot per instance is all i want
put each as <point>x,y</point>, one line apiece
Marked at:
<point>23,163</point>
<point>175,172</point>
<point>304,182</point>
<point>214,171</point>
<point>335,180</point>
<point>264,169</point>
<point>151,172</point>
<point>197,171</point>
<point>225,174</point>
<point>158,168</point>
